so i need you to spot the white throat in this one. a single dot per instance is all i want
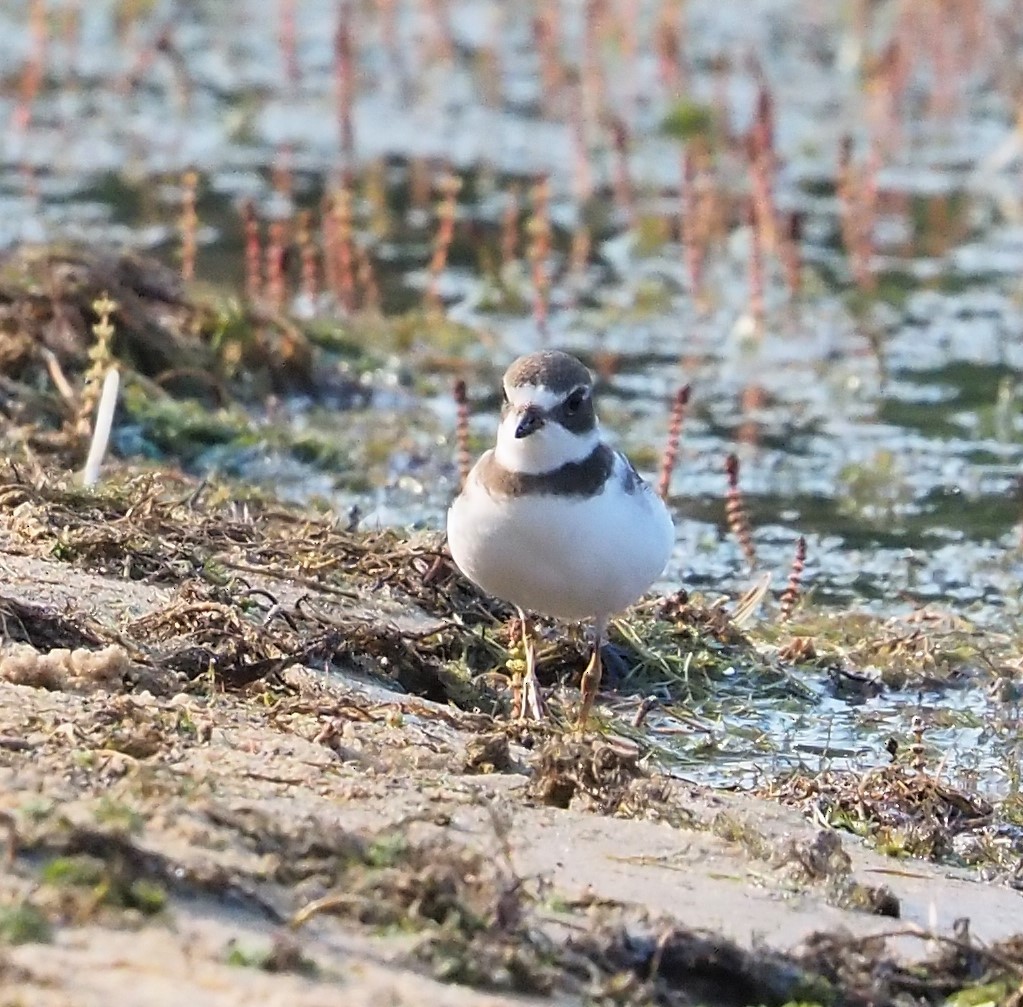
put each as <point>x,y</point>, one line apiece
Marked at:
<point>545,449</point>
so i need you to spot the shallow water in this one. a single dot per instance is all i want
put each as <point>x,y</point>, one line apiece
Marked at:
<point>886,430</point>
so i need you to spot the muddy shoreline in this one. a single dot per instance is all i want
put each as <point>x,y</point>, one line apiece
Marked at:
<point>188,812</point>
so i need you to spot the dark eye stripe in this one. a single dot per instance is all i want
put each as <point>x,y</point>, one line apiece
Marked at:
<point>577,417</point>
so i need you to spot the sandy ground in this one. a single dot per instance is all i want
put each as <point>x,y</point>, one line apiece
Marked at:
<point>235,802</point>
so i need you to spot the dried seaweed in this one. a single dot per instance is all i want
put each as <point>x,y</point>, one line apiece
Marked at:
<point>46,298</point>
<point>45,628</point>
<point>905,810</point>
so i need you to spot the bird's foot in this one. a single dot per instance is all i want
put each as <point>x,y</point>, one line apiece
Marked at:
<point>527,703</point>
<point>532,702</point>
<point>615,663</point>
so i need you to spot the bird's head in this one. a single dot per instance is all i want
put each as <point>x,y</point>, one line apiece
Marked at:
<point>547,418</point>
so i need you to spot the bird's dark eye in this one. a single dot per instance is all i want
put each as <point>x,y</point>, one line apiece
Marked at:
<point>574,402</point>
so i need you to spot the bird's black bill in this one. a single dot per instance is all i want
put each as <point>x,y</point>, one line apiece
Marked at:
<point>532,420</point>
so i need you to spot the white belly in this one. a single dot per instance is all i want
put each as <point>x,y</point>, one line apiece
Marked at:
<point>571,558</point>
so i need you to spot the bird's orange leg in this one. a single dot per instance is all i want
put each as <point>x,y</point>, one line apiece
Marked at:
<point>526,701</point>
<point>590,684</point>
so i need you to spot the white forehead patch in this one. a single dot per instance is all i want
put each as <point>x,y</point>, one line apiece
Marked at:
<point>538,395</point>
<point>533,395</point>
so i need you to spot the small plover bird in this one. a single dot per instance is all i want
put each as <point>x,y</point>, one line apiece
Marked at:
<point>552,519</point>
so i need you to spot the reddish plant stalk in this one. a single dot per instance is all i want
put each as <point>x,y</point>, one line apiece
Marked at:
<point>189,223</point>
<point>343,244</point>
<point>591,77</point>
<point>625,28</point>
<point>857,198</point>
<point>622,174</point>
<point>547,38</point>
<point>462,431</point>
<point>582,172</point>
<point>447,210</point>
<point>582,188</point>
<point>510,229</point>
<point>763,126</point>
<point>276,282</point>
<point>668,43</point>
<point>886,89</point>
<point>869,198</point>
<point>287,38</point>
<point>845,193</point>
<point>386,11</point>
<point>374,192</point>
<point>942,101</point>
<point>763,164</point>
<point>790,595</point>
<point>863,235</point>
<point>756,272</point>
<point>71,34</point>
<point>670,456</point>
<point>253,252</point>
<point>281,174</point>
<point>307,257</point>
<point>328,243</point>
<point>735,511</point>
<point>539,250</point>
<point>579,254</point>
<point>693,248</point>
<point>443,39</point>
<point>420,184</point>
<point>370,289</point>
<point>488,74</point>
<point>32,75</point>
<point>791,253</point>
<point>344,85</point>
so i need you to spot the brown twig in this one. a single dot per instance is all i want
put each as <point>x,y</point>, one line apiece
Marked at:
<point>790,595</point>
<point>735,511</point>
<point>462,431</point>
<point>670,456</point>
